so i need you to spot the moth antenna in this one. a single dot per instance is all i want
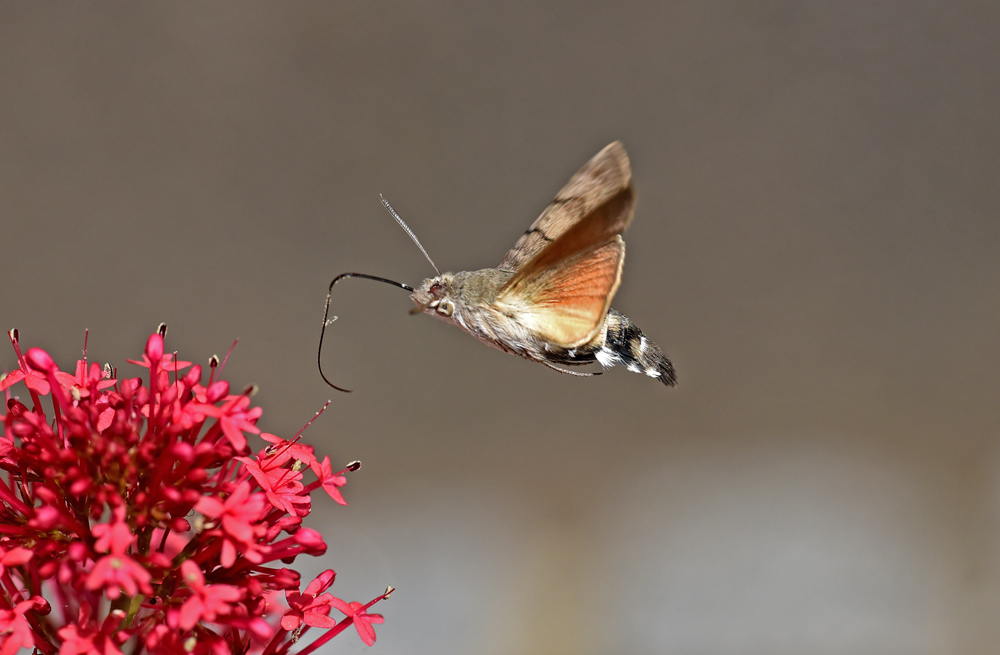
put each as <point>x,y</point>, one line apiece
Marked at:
<point>408,231</point>
<point>326,312</point>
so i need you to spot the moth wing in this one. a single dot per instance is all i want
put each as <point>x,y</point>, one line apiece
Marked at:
<point>601,225</point>
<point>606,175</point>
<point>566,305</point>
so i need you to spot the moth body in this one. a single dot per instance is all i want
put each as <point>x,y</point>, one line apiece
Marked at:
<point>549,298</point>
<point>468,300</point>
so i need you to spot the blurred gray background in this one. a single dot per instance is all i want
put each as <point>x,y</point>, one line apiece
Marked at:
<point>816,245</point>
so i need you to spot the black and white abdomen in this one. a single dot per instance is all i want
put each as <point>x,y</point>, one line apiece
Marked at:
<point>625,344</point>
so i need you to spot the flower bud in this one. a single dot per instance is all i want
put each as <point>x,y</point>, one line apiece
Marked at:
<point>217,391</point>
<point>154,348</point>
<point>40,360</point>
<point>193,376</point>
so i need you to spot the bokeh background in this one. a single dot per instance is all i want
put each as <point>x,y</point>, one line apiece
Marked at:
<point>816,245</point>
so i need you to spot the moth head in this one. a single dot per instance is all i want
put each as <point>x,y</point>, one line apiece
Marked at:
<point>434,296</point>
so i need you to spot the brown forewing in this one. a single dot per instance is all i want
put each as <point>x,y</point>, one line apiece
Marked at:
<point>602,178</point>
<point>600,226</point>
<point>566,304</point>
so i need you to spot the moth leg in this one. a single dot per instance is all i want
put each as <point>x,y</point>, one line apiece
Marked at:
<point>567,372</point>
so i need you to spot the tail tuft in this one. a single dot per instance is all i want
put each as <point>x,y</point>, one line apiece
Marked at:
<point>625,344</point>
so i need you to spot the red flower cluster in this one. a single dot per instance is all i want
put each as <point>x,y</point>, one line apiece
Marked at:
<point>137,517</point>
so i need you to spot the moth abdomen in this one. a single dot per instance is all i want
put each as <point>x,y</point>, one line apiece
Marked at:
<point>625,344</point>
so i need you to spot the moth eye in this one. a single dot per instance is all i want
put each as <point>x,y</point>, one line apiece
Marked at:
<point>445,308</point>
<point>435,290</point>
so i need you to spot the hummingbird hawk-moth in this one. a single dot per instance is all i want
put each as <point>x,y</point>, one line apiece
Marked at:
<point>549,299</point>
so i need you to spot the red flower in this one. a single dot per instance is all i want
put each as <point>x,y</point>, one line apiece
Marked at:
<point>238,514</point>
<point>32,379</point>
<point>114,537</point>
<point>294,450</point>
<point>330,481</point>
<point>312,606</point>
<point>15,626</point>
<point>234,418</point>
<point>280,484</point>
<point>362,619</point>
<point>87,638</point>
<point>101,479</point>
<point>80,642</point>
<point>163,361</point>
<point>119,572</point>
<point>208,601</point>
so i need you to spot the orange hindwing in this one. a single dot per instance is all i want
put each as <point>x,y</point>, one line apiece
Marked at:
<point>566,304</point>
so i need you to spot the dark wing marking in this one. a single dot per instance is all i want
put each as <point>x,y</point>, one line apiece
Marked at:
<point>605,176</point>
<point>597,228</point>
